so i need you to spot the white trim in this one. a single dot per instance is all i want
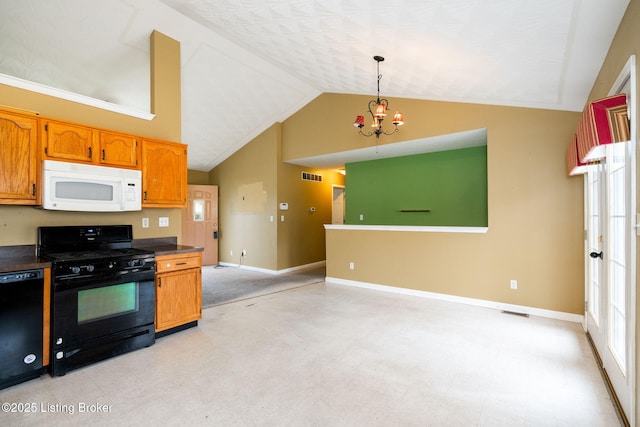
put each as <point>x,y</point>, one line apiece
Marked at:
<point>415,228</point>
<point>558,315</point>
<point>284,271</point>
<point>74,97</point>
<point>628,73</point>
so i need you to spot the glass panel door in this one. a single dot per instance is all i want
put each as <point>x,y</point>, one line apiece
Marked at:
<point>595,268</point>
<point>617,259</point>
<point>609,206</point>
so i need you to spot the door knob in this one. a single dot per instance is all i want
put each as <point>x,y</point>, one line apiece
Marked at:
<point>596,255</point>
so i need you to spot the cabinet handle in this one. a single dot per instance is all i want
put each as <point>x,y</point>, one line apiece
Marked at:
<point>144,195</point>
<point>33,190</point>
<point>90,152</point>
<point>159,282</point>
<point>181,263</point>
<point>102,154</point>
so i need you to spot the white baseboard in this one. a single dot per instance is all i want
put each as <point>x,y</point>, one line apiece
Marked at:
<point>559,315</point>
<point>284,271</point>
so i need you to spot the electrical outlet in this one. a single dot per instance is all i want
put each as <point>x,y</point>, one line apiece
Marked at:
<point>231,252</point>
<point>352,266</point>
<point>361,217</point>
<point>145,222</point>
<point>244,252</point>
<point>514,284</point>
<point>163,221</point>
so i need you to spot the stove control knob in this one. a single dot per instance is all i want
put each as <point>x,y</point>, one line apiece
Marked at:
<point>131,263</point>
<point>75,270</point>
<point>90,268</point>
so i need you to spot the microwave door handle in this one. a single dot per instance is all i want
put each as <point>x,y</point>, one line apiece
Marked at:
<point>123,196</point>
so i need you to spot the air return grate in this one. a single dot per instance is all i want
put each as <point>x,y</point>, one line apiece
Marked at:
<point>308,176</point>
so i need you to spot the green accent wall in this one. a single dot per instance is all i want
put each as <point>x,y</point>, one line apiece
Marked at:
<point>451,184</point>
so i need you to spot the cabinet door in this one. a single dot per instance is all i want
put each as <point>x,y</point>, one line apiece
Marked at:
<point>64,141</point>
<point>117,149</point>
<point>178,298</point>
<point>18,155</point>
<point>164,174</point>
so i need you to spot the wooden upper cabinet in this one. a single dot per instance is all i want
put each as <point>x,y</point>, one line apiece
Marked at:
<point>18,158</point>
<point>119,149</point>
<point>82,144</point>
<point>164,174</point>
<point>68,142</point>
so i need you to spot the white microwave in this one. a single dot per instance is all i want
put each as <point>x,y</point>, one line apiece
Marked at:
<point>89,188</point>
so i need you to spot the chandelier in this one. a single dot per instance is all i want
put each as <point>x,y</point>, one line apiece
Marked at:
<point>378,111</point>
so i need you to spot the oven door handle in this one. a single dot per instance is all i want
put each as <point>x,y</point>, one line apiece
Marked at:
<point>89,282</point>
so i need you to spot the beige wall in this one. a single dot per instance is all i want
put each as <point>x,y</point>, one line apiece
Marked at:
<point>247,185</point>
<point>197,177</point>
<point>535,210</point>
<point>252,184</point>
<point>301,237</point>
<point>18,224</point>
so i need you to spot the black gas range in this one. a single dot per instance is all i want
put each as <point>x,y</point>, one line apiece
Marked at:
<point>103,293</point>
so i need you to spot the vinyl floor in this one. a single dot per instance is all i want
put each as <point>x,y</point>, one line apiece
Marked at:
<point>332,355</point>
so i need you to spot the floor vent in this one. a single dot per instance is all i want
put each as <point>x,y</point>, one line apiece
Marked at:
<point>515,313</point>
<point>308,176</point>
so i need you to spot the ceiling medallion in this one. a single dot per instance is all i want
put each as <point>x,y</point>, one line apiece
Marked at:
<point>378,110</point>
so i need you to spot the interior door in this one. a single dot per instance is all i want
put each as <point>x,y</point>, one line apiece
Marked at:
<point>200,221</point>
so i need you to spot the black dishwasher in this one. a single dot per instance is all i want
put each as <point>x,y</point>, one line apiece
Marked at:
<point>21,305</point>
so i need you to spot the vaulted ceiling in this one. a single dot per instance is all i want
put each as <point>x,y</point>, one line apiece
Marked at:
<point>249,63</point>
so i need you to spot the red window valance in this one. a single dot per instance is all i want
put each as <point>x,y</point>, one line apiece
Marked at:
<point>603,122</point>
<point>574,165</point>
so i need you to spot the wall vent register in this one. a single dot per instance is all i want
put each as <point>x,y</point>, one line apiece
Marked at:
<point>308,176</point>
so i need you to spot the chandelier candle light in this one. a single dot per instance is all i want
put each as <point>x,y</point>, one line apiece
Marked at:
<point>378,111</point>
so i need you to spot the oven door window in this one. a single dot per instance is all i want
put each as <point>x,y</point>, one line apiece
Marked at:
<point>109,301</point>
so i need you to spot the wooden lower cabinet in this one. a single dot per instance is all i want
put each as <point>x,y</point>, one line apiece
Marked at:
<point>178,290</point>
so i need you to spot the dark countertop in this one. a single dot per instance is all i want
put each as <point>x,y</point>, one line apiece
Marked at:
<point>170,249</point>
<point>22,263</point>
<point>164,246</point>
<point>23,257</point>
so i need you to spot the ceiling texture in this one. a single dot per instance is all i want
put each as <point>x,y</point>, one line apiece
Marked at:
<point>249,63</point>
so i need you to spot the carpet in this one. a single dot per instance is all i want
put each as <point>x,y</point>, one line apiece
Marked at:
<point>221,285</point>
